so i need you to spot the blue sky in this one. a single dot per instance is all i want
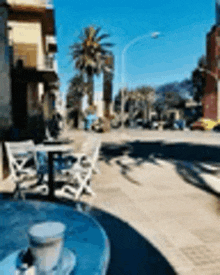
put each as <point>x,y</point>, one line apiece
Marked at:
<point>184,25</point>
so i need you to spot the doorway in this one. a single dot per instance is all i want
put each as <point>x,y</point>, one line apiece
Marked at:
<point>19,104</point>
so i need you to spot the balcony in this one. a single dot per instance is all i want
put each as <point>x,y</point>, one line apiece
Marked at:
<point>49,64</point>
<point>51,44</point>
<point>29,70</point>
<point>31,3</point>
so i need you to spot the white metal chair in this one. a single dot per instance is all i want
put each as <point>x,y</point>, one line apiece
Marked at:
<point>23,168</point>
<point>80,174</point>
<point>91,149</point>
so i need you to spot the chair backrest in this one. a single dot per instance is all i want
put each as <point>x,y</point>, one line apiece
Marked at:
<point>91,148</point>
<point>21,157</point>
<point>90,144</point>
<point>48,135</point>
<point>96,149</point>
<point>19,144</point>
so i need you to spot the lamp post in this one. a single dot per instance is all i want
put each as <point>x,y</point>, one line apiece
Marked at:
<point>153,35</point>
<point>218,88</point>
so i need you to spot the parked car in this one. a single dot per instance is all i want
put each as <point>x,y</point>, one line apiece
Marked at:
<point>217,128</point>
<point>168,125</point>
<point>147,125</point>
<point>179,124</point>
<point>203,124</point>
<point>150,124</point>
<point>139,122</point>
<point>154,125</point>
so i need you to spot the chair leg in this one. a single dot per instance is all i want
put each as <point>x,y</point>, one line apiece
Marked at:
<point>96,169</point>
<point>40,179</point>
<point>79,207</point>
<point>82,185</point>
<point>18,193</point>
<point>63,194</point>
<point>89,190</point>
<point>22,195</point>
<point>43,190</point>
<point>87,184</point>
<point>79,192</point>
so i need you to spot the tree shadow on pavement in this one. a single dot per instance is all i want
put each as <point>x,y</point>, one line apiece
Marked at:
<point>186,157</point>
<point>112,150</point>
<point>191,174</point>
<point>130,253</point>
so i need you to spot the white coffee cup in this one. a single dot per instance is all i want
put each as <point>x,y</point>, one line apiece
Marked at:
<point>46,245</point>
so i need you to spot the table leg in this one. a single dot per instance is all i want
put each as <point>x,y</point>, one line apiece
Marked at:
<point>51,175</point>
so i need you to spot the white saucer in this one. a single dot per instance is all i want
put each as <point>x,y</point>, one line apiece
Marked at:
<point>8,265</point>
<point>69,261</point>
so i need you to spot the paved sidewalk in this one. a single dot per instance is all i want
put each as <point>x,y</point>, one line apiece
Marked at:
<point>179,219</point>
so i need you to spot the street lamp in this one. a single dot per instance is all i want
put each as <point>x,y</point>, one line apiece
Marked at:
<point>153,35</point>
<point>218,88</point>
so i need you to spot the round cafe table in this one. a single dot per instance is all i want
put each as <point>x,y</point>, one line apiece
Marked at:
<point>84,236</point>
<point>52,150</point>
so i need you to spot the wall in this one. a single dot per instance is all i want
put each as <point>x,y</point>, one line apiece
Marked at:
<point>210,101</point>
<point>5,87</point>
<point>32,98</point>
<point>30,34</point>
<point>39,3</point>
<point>27,41</point>
<point>35,128</point>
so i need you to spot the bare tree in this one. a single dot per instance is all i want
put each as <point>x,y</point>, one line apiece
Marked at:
<point>147,95</point>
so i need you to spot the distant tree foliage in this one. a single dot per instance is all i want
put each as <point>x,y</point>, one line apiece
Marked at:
<point>168,95</point>
<point>137,100</point>
<point>160,106</point>
<point>172,95</point>
<point>183,88</point>
<point>199,79</point>
<point>174,100</point>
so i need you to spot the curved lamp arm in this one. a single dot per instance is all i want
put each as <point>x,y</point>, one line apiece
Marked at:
<point>124,52</point>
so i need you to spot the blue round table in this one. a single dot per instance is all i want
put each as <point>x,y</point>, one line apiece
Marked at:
<point>84,236</point>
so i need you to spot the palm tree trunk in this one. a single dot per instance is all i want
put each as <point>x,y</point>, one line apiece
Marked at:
<point>148,110</point>
<point>90,89</point>
<point>145,110</point>
<point>107,96</point>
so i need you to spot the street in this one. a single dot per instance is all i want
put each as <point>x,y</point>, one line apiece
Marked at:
<point>161,192</point>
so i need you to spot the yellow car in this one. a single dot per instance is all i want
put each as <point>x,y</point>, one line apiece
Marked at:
<point>204,124</point>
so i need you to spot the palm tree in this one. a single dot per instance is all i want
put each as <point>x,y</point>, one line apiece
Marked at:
<point>76,90</point>
<point>90,56</point>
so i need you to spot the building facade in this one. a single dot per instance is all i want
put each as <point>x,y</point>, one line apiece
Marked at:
<point>29,72</point>
<point>211,98</point>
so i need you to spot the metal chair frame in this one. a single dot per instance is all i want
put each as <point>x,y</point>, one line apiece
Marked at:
<point>24,175</point>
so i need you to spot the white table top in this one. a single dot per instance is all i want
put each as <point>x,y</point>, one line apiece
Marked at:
<point>53,148</point>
